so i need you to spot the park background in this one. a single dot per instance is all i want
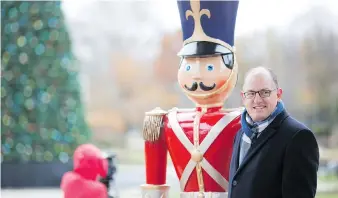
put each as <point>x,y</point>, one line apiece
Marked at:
<point>87,71</point>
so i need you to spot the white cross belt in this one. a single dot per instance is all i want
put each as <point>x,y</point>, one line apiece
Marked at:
<point>203,147</point>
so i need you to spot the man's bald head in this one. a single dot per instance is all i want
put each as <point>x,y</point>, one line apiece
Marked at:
<point>260,93</point>
<point>261,71</point>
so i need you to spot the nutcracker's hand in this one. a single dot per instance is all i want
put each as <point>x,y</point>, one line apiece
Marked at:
<point>155,191</point>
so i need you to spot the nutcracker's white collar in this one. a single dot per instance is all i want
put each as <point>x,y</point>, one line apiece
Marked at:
<point>206,107</point>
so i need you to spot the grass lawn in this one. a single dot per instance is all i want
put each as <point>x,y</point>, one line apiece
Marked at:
<point>328,154</point>
<point>328,178</point>
<point>328,195</point>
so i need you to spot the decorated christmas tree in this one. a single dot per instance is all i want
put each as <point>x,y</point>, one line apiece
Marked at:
<point>41,109</point>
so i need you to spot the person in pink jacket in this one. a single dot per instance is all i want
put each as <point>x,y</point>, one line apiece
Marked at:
<point>83,181</point>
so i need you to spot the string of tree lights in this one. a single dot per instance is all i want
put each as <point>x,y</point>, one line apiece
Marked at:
<point>42,113</point>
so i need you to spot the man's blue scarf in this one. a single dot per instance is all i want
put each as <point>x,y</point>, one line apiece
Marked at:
<point>251,128</point>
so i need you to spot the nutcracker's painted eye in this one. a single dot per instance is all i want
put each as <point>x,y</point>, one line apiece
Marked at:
<point>210,67</point>
<point>188,67</point>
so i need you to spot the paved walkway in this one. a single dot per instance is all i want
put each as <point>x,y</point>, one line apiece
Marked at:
<point>56,193</point>
<point>128,188</point>
<point>133,192</point>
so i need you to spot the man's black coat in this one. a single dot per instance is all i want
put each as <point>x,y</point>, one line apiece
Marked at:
<point>282,163</point>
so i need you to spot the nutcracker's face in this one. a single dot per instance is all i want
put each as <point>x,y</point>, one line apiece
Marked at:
<point>207,80</point>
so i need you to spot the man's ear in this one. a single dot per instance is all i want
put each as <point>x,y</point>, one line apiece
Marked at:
<point>279,93</point>
<point>242,96</point>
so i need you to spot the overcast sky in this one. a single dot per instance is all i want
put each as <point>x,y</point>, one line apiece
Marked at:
<point>252,14</point>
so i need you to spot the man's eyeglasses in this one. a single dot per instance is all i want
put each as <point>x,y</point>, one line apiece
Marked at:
<point>262,93</point>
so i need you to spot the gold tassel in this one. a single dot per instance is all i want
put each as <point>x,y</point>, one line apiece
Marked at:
<point>152,124</point>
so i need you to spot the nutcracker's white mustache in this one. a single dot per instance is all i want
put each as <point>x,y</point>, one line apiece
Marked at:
<point>204,87</point>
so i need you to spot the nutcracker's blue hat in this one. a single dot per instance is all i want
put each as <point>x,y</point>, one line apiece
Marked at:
<point>208,27</point>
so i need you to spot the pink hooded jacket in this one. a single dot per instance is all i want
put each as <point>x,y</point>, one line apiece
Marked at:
<point>82,181</point>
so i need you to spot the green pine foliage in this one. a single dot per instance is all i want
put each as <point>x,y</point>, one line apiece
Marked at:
<point>41,109</point>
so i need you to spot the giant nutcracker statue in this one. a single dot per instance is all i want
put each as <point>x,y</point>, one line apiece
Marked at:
<point>199,140</point>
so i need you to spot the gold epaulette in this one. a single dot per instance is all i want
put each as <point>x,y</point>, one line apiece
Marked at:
<point>152,124</point>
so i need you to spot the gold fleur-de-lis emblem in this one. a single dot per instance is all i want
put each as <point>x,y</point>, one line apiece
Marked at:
<point>196,13</point>
<point>199,34</point>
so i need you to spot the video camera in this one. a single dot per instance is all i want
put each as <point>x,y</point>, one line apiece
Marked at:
<point>109,180</point>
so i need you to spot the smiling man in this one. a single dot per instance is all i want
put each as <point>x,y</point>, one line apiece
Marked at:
<point>274,155</point>
<point>265,82</point>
